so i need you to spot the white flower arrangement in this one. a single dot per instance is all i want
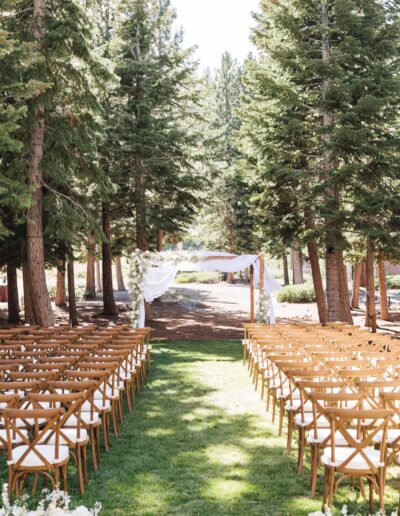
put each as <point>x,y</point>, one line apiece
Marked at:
<point>54,503</point>
<point>262,314</point>
<point>139,261</point>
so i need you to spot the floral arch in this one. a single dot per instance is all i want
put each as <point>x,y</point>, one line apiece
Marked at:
<point>152,274</point>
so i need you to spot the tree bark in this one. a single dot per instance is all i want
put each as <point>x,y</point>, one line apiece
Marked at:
<point>29,312</point>
<point>61,298</point>
<point>73,314</point>
<point>344,291</point>
<point>382,289</point>
<point>140,197</point>
<point>160,240</point>
<point>370,301</point>
<point>285,270</point>
<point>120,277</point>
<point>99,284</point>
<point>317,282</point>
<point>35,248</point>
<point>13,299</point>
<point>109,307</point>
<point>363,279</point>
<point>355,300</point>
<point>90,291</point>
<point>297,267</point>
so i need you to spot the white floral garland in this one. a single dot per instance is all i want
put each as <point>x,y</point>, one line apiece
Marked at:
<point>53,503</point>
<point>139,261</point>
<point>262,314</point>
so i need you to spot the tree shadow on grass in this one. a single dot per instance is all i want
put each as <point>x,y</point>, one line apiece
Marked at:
<point>183,450</point>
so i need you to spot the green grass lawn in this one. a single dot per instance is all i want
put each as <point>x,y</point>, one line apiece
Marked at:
<point>198,442</point>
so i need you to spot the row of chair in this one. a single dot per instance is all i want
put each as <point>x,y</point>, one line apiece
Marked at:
<point>59,387</point>
<point>339,386</point>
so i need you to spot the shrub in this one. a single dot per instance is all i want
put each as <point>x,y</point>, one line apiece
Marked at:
<point>297,294</point>
<point>198,277</point>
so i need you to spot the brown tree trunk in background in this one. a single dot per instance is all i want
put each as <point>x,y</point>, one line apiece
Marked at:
<point>355,300</point>
<point>247,275</point>
<point>13,299</point>
<point>297,267</point>
<point>90,291</point>
<point>29,311</point>
<point>61,297</point>
<point>335,277</point>
<point>285,270</point>
<point>40,295</point>
<point>73,314</point>
<point>160,240</point>
<point>140,197</point>
<point>383,289</point>
<point>317,282</point>
<point>370,301</point>
<point>120,277</point>
<point>109,307</point>
<point>363,279</point>
<point>99,284</point>
<point>344,292</point>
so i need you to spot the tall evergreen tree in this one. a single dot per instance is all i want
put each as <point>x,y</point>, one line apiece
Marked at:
<point>325,96</point>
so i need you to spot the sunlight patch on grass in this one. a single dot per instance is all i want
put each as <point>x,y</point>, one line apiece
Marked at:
<point>226,490</point>
<point>159,432</point>
<point>226,454</point>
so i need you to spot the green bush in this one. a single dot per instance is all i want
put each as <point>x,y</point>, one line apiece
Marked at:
<point>198,277</point>
<point>297,294</point>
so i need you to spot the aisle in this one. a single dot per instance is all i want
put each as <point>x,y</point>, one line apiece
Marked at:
<point>199,443</point>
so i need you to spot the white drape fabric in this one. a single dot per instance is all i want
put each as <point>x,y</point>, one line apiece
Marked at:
<point>157,280</point>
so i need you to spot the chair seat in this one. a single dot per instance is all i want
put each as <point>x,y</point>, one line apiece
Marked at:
<point>297,404</point>
<point>86,417</point>
<point>392,435</point>
<point>307,419</point>
<point>15,438</point>
<point>357,463</point>
<point>324,433</point>
<point>68,433</point>
<point>98,405</point>
<point>32,460</point>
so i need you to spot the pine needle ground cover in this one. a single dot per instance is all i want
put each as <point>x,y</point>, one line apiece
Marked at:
<point>198,442</point>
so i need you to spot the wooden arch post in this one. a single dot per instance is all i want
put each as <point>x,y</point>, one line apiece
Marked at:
<point>251,293</point>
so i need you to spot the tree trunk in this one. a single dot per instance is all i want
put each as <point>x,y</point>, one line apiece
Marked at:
<point>355,300</point>
<point>344,292</point>
<point>61,298</point>
<point>109,307</point>
<point>73,314</point>
<point>297,267</point>
<point>120,277</point>
<point>285,270</point>
<point>317,282</point>
<point>29,311</point>
<point>363,279</point>
<point>99,284</point>
<point>40,295</point>
<point>160,240</point>
<point>336,288</point>
<point>90,291</point>
<point>383,289</point>
<point>140,197</point>
<point>246,275</point>
<point>370,301</point>
<point>13,299</point>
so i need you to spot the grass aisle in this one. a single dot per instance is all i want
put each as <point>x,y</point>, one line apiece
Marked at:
<point>199,443</point>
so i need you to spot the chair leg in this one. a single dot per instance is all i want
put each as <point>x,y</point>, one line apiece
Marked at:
<point>302,444</point>
<point>93,446</point>
<point>331,486</point>
<point>64,477</point>
<point>114,418</point>
<point>314,469</point>
<point>128,395</point>
<point>326,488</point>
<point>121,413</point>
<point>281,414</point>
<point>80,468</point>
<point>84,460</point>
<point>290,432</point>
<point>371,496</point>
<point>97,431</point>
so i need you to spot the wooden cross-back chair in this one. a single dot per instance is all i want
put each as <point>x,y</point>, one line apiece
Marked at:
<point>358,458</point>
<point>30,456</point>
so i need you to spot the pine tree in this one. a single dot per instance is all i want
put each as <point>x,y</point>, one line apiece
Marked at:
<point>156,120</point>
<point>325,98</point>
